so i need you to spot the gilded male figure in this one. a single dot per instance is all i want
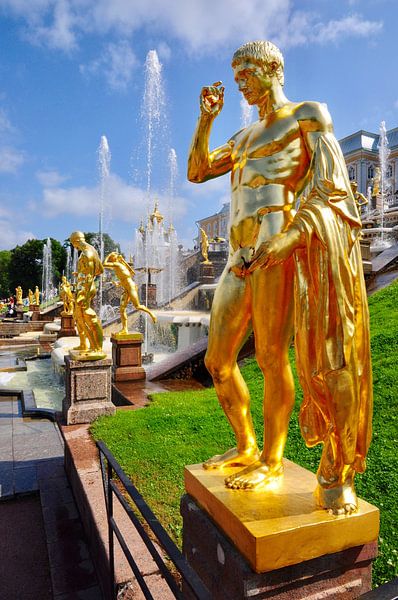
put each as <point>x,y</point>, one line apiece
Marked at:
<point>289,148</point>
<point>88,325</point>
<point>125,274</point>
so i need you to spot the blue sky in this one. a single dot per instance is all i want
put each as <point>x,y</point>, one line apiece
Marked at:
<point>74,70</point>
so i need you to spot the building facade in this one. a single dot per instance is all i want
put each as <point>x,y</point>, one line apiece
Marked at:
<point>361,154</point>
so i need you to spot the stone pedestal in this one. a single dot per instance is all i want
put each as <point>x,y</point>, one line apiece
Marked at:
<point>276,543</point>
<point>67,326</point>
<point>126,357</point>
<point>206,273</point>
<point>35,308</point>
<point>151,302</point>
<point>88,390</point>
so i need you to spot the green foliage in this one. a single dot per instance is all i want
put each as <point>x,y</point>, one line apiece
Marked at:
<point>154,444</point>
<point>5,258</point>
<point>26,264</point>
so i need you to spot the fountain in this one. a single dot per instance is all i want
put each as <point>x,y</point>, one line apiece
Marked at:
<point>47,284</point>
<point>383,157</point>
<point>246,113</point>
<point>104,159</point>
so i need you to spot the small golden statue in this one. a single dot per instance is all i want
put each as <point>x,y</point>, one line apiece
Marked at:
<point>67,297</point>
<point>359,198</point>
<point>125,274</point>
<point>88,325</point>
<point>376,182</point>
<point>274,254</point>
<point>204,246</point>
<point>18,295</point>
<point>31,297</point>
<point>37,296</point>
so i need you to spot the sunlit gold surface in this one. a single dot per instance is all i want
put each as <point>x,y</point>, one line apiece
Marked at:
<point>359,198</point>
<point>204,246</point>
<point>88,325</point>
<point>283,526</point>
<point>125,274</point>
<point>67,297</point>
<point>128,336</point>
<point>18,295</point>
<point>31,296</point>
<point>279,258</point>
<point>37,295</point>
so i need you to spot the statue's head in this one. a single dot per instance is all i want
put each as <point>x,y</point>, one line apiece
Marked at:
<point>264,54</point>
<point>76,238</point>
<point>113,255</point>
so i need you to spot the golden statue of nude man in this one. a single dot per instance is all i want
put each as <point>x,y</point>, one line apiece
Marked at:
<point>125,274</point>
<point>87,322</point>
<point>289,148</point>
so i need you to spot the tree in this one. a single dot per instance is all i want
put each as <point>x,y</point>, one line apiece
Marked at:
<point>26,264</point>
<point>25,267</point>
<point>5,259</point>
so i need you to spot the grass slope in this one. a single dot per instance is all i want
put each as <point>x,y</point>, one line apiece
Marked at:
<point>154,444</point>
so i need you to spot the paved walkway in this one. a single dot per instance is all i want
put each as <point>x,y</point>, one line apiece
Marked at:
<point>31,460</point>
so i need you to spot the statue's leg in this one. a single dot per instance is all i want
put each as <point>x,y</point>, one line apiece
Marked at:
<point>123,311</point>
<point>136,302</point>
<point>336,470</point>
<point>81,330</point>
<point>229,327</point>
<point>273,329</point>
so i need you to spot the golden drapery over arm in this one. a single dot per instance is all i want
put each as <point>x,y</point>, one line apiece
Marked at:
<point>332,321</point>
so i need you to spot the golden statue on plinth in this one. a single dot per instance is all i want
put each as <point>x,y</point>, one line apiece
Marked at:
<point>88,325</point>
<point>31,297</point>
<point>204,246</point>
<point>291,147</point>
<point>67,297</point>
<point>125,274</point>
<point>18,295</point>
<point>37,296</point>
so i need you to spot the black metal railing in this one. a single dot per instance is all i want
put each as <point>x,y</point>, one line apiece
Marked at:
<point>109,468</point>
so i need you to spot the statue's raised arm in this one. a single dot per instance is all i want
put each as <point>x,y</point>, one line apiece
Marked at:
<point>204,164</point>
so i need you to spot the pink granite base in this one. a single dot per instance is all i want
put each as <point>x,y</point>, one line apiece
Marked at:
<point>343,575</point>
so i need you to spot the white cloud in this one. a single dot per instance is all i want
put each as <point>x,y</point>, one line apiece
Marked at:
<point>59,24</point>
<point>5,123</point>
<point>10,159</point>
<point>11,235</point>
<point>50,178</point>
<point>351,26</point>
<point>127,203</point>
<point>116,63</point>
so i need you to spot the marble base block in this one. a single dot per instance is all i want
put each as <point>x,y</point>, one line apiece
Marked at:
<point>88,390</point>
<point>67,326</point>
<point>275,543</point>
<point>126,357</point>
<point>206,273</point>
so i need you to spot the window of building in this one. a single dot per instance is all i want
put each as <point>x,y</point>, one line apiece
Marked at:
<point>389,170</point>
<point>371,172</point>
<point>351,173</point>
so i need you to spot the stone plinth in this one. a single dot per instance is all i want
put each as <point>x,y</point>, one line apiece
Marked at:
<point>151,301</point>
<point>206,273</point>
<point>126,357</point>
<point>275,543</point>
<point>67,326</point>
<point>88,390</point>
<point>35,308</point>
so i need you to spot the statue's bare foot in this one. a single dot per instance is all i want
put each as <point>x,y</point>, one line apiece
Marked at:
<point>338,500</point>
<point>256,476</point>
<point>154,318</point>
<point>232,458</point>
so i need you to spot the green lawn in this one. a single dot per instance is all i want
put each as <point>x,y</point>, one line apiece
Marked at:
<point>153,444</point>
